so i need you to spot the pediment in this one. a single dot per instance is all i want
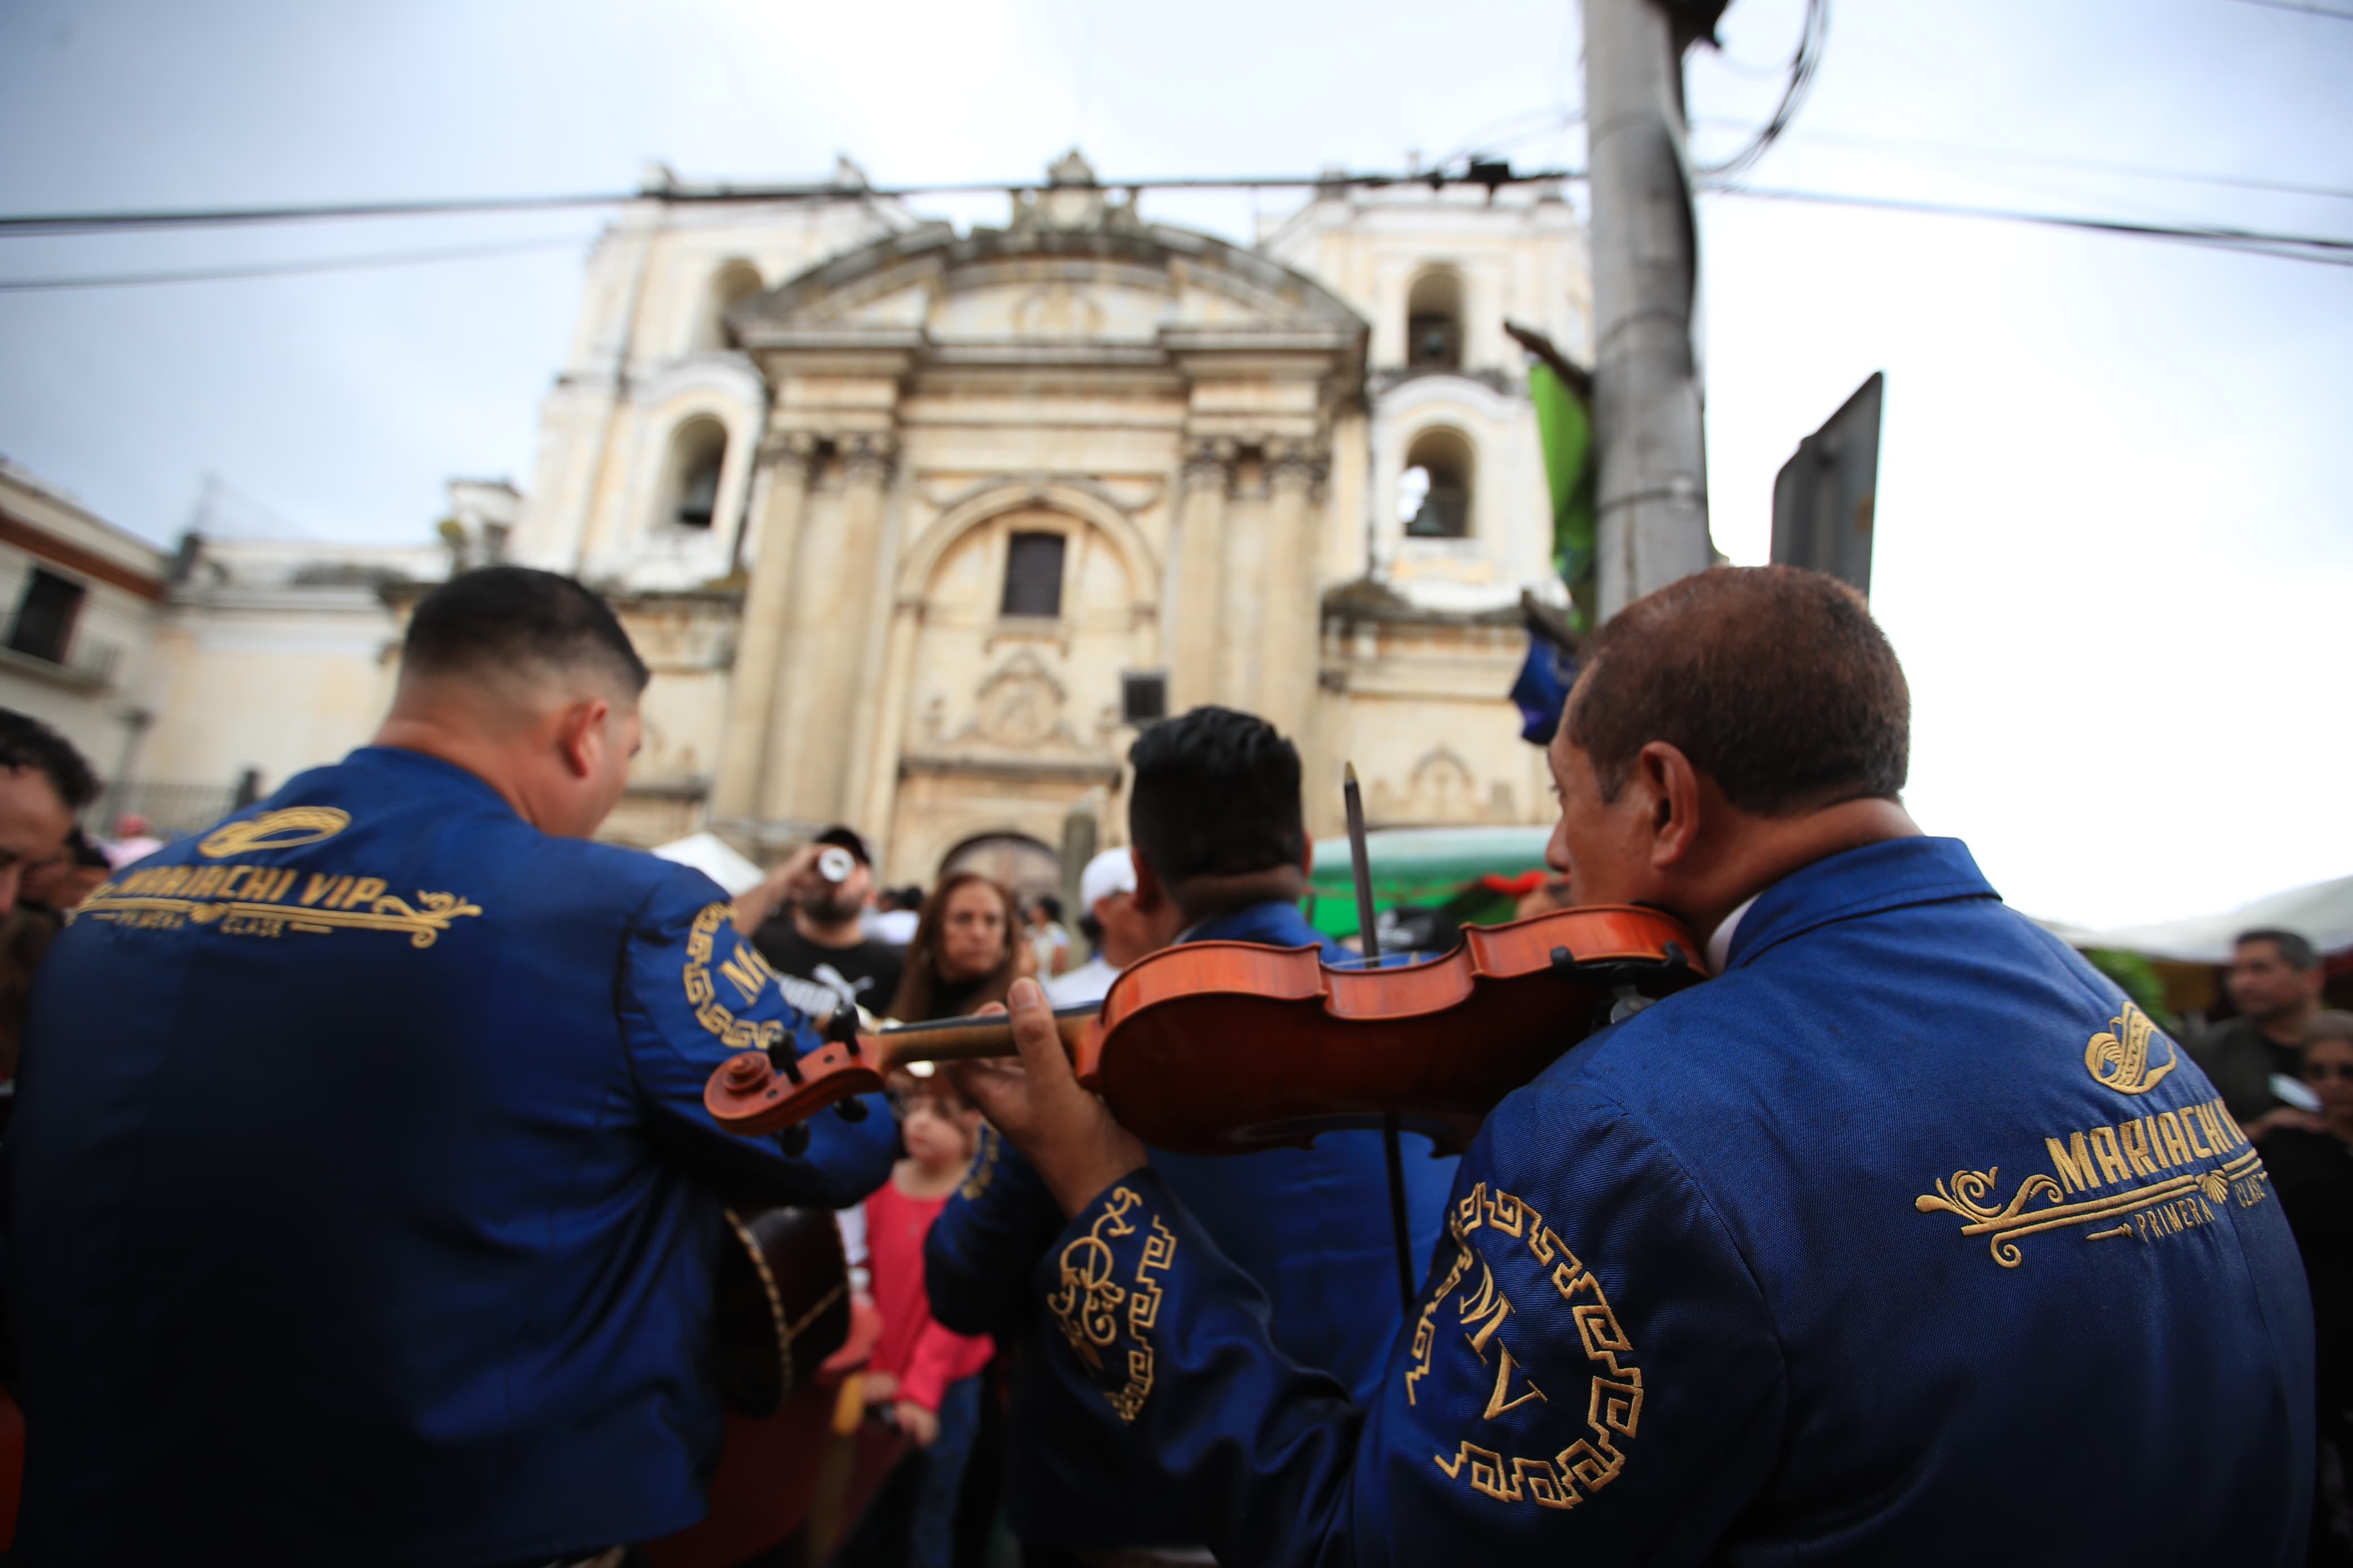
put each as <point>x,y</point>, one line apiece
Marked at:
<point>1145,285</point>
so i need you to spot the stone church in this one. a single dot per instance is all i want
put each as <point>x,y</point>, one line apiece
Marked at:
<point>916,526</point>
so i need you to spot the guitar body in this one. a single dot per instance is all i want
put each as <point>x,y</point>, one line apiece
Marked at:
<point>784,1476</point>
<point>782,1305</point>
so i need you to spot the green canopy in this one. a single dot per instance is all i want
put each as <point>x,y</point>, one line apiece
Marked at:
<point>1434,866</point>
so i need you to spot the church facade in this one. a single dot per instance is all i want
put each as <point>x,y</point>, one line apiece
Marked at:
<point>916,526</point>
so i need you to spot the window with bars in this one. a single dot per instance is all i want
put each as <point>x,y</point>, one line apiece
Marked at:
<point>1033,576</point>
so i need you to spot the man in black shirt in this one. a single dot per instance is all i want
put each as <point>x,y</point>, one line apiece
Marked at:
<point>817,939</point>
<point>2275,980</point>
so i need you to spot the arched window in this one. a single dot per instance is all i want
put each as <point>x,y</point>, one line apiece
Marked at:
<point>735,282</point>
<point>1434,493</point>
<point>1433,322</point>
<point>698,452</point>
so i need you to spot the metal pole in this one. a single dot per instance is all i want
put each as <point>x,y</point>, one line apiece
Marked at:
<point>1653,470</point>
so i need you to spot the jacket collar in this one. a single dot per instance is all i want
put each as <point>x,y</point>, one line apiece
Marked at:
<point>1275,923</point>
<point>1888,874</point>
<point>422,771</point>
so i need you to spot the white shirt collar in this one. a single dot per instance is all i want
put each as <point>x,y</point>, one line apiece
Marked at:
<point>1719,943</point>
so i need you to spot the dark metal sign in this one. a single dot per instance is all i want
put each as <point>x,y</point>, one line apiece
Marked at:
<point>1825,498</point>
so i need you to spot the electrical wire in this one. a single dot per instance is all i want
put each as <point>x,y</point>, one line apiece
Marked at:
<point>1805,63</point>
<point>288,268</point>
<point>227,218</point>
<point>2051,160</point>
<point>2308,10</point>
<point>709,196</point>
<point>2327,249</point>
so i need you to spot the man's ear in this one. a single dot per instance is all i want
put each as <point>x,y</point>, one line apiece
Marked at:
<point>1672,802</point>
<point>580,737</point>
<point>1149,894</point>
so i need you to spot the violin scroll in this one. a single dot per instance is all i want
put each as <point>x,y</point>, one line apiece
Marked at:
<point>749,1095</point>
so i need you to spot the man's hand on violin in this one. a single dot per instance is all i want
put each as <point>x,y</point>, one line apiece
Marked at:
<point>1068,1133</point>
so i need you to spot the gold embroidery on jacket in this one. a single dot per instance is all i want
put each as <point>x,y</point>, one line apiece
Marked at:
<point>737,1033</point>
<point>2118,1058</point>
<point>1087,1305</point>
<point>1143,1312</point>
<point>289,828</point>
<point>983,1169</point>
<point>2177,1203</point>
<point>168,898</point>
<point>1613,1400</point>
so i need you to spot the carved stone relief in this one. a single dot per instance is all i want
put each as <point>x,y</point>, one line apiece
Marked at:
<point>1440,788</point>
<point>1021,708</point>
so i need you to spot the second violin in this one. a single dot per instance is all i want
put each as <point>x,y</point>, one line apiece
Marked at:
<point>1223,1048</point>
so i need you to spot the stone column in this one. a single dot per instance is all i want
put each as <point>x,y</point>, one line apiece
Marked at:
<point>760,637</point>
<point>810,731</point>
<point>873,739</point>
<point>1193,650</point>
<point>1288,652</point>
<point>872,814</point>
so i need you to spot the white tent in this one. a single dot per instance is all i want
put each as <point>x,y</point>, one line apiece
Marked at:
<point>2322,911</point>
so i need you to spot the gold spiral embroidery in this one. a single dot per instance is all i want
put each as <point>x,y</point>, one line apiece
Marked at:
<point>2117,1058</point>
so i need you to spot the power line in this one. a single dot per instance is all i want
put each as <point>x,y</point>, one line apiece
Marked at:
<point>2298,5</point>
<point>726,195</point>
<point>2055,161</point>
<point>286,269</point>
<point>2328,250</point>
<point>1805,61</point>
<point>224,218</point>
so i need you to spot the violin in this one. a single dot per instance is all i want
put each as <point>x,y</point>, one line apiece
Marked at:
<point>1222,1047</point>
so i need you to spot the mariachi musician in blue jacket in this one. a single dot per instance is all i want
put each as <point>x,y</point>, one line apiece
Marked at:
<point>1907,1239</point>
<point>1221,855</point>
<point>365,1210</point>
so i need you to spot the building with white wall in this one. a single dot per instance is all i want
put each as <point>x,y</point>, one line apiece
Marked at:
<point>913,524</point>
<point>83,600</point>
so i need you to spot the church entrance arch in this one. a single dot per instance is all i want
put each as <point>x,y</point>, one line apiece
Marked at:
<point>1016,859</point>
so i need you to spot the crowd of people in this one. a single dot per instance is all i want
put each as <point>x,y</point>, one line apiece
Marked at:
<point>350,1227</point>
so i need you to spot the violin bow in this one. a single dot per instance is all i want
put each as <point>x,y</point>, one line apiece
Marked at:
<point>1368,937</point>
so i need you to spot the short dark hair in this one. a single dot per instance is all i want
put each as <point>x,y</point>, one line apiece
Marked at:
<point>499,617</point>
<point>1050,906</point>
<point>1216,794</point>
<point>2296,949</point>
<point>1776,682</point>
<point>26,742</point>
<point>845,836</point>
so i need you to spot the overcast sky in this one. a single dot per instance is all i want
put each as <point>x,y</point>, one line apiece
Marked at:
<point>2114,547</point>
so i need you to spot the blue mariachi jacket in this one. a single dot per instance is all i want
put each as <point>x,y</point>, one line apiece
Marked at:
<point>363,1196</point>
<point>1310,1225</point>
<point>1907,1240</point>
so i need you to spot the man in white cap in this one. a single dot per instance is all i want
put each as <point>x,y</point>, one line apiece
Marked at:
<point>1122,933</point>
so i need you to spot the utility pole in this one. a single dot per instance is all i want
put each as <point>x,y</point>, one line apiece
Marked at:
<point>1652,505</point>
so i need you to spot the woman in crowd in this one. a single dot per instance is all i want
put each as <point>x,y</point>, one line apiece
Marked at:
<point>2312,1173</point>
<point>965,951</point>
